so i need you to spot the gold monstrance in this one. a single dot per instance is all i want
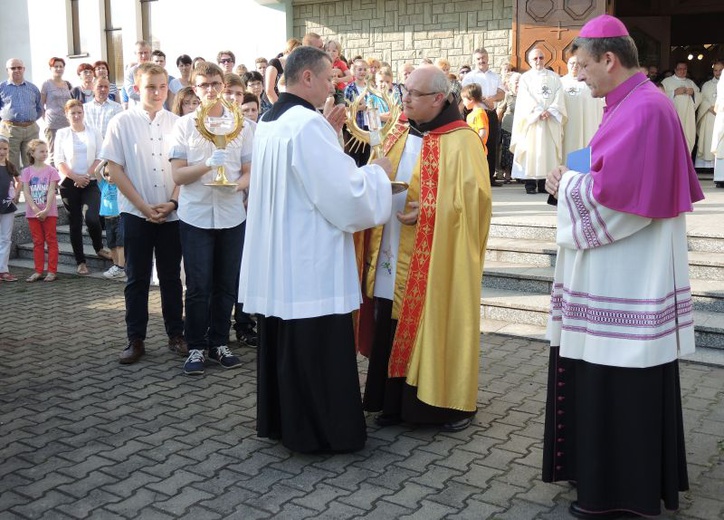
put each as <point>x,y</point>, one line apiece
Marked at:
<point>377,132</point>
<point>220,131</point>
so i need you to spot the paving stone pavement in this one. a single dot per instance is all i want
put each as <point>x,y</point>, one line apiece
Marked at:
<point>84,437</point>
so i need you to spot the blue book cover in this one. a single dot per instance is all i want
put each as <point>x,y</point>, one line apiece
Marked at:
<point>580,160</point>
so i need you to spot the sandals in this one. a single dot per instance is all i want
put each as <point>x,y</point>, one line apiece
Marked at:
<point>82,269</point>
<point>34,277</point>
<point>7,277</point>
<point>50,277</point>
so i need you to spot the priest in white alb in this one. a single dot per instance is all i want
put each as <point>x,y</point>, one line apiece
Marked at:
<point>540,112</point>
<point>299,269</point>
<point>687,97</point>
<point>705,116</point>
<point>584,112</point>
<point>717,138</point>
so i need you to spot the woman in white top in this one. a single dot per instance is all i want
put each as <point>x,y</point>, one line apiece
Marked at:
<point>76,152</point>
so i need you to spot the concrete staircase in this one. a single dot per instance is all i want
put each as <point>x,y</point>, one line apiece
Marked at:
<point>23,256</point>
<point>518,275</point>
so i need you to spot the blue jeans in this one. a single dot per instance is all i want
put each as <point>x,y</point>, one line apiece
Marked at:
<point>211,259</point>
<point>141,239</point>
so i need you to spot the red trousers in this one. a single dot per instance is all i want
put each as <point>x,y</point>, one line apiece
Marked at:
<point>44,233</point>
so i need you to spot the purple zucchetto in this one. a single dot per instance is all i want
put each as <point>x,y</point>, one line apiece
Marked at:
<point>604,26</point>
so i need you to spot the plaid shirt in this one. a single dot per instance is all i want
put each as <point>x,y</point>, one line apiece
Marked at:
<point>352,92</point>
<point>20,103</point>
<point>98,115</point>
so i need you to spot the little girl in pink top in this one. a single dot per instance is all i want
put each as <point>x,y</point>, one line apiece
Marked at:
<point>39,183</point>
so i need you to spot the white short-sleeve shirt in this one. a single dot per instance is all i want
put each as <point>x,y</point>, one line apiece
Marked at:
<point>141,146</point>
<point>204,206</point>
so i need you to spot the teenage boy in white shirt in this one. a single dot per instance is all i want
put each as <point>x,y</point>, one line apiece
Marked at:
<point>212,224</point>
<point>136,148</point>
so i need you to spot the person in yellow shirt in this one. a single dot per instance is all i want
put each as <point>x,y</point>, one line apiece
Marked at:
<point>472,96</point>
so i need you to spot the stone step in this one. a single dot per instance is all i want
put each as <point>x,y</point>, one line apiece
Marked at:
<point>522,278</point>
<point>707,294</point>
<point>526,315</point>
<point>544,230</point>
<point>63,233</point>
<point>706,242</point>
<point>539,253</point>
<point>64,269</point>
<point>516,307</point>
<point>703,355</point>
<point>705,265</point>
<point>65,255</point>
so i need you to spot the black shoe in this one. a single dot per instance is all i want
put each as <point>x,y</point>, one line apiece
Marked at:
<point>387,420</point>
<point>576,511</point>
<point>719,184</point>
<point>457,426</point>
<point>496,184</point>
<point>248,338</point>
<point>530,191</point>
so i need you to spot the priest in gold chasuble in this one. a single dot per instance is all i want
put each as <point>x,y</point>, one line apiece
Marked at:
<point>424,267</point>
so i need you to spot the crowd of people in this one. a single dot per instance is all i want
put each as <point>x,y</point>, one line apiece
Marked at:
<point>317,256</point>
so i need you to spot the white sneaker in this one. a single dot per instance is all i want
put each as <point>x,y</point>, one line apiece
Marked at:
<point>115,272</point>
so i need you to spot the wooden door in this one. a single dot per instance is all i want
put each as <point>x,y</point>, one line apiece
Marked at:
<point>551,25</point>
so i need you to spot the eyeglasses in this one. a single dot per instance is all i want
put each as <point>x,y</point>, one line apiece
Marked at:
<point>16,68</point>
<point>415,93</point>
<point>216,85</point>
<point>226,60</point>
<point>538,58</point>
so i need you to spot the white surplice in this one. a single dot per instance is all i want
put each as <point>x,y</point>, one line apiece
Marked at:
<point>685,105</point>
<point>705,124</point>
<point>621,294</point>
<point>306,198</point>
<point>536,144</point>
<point>717,139</point>
<point>584,114</point>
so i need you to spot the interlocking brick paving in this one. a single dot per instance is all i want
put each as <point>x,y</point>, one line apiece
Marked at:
<point>85,437</point>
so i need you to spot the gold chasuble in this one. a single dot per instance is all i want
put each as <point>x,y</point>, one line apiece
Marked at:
<point>367,247</point>
<point>440,268</point>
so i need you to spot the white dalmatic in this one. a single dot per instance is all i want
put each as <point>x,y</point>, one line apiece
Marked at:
<point>717,139</point>
<point>685,105</point>
<point>584,114</point>
<point>537,144</point>
<point>705,116</point>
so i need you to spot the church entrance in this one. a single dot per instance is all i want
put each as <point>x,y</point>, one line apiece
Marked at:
<point>665,31</point>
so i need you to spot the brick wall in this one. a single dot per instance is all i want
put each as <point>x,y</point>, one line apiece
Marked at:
<point>398,31</point>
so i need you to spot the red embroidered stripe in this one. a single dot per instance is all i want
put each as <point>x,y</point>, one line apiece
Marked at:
<point>416,285</point>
